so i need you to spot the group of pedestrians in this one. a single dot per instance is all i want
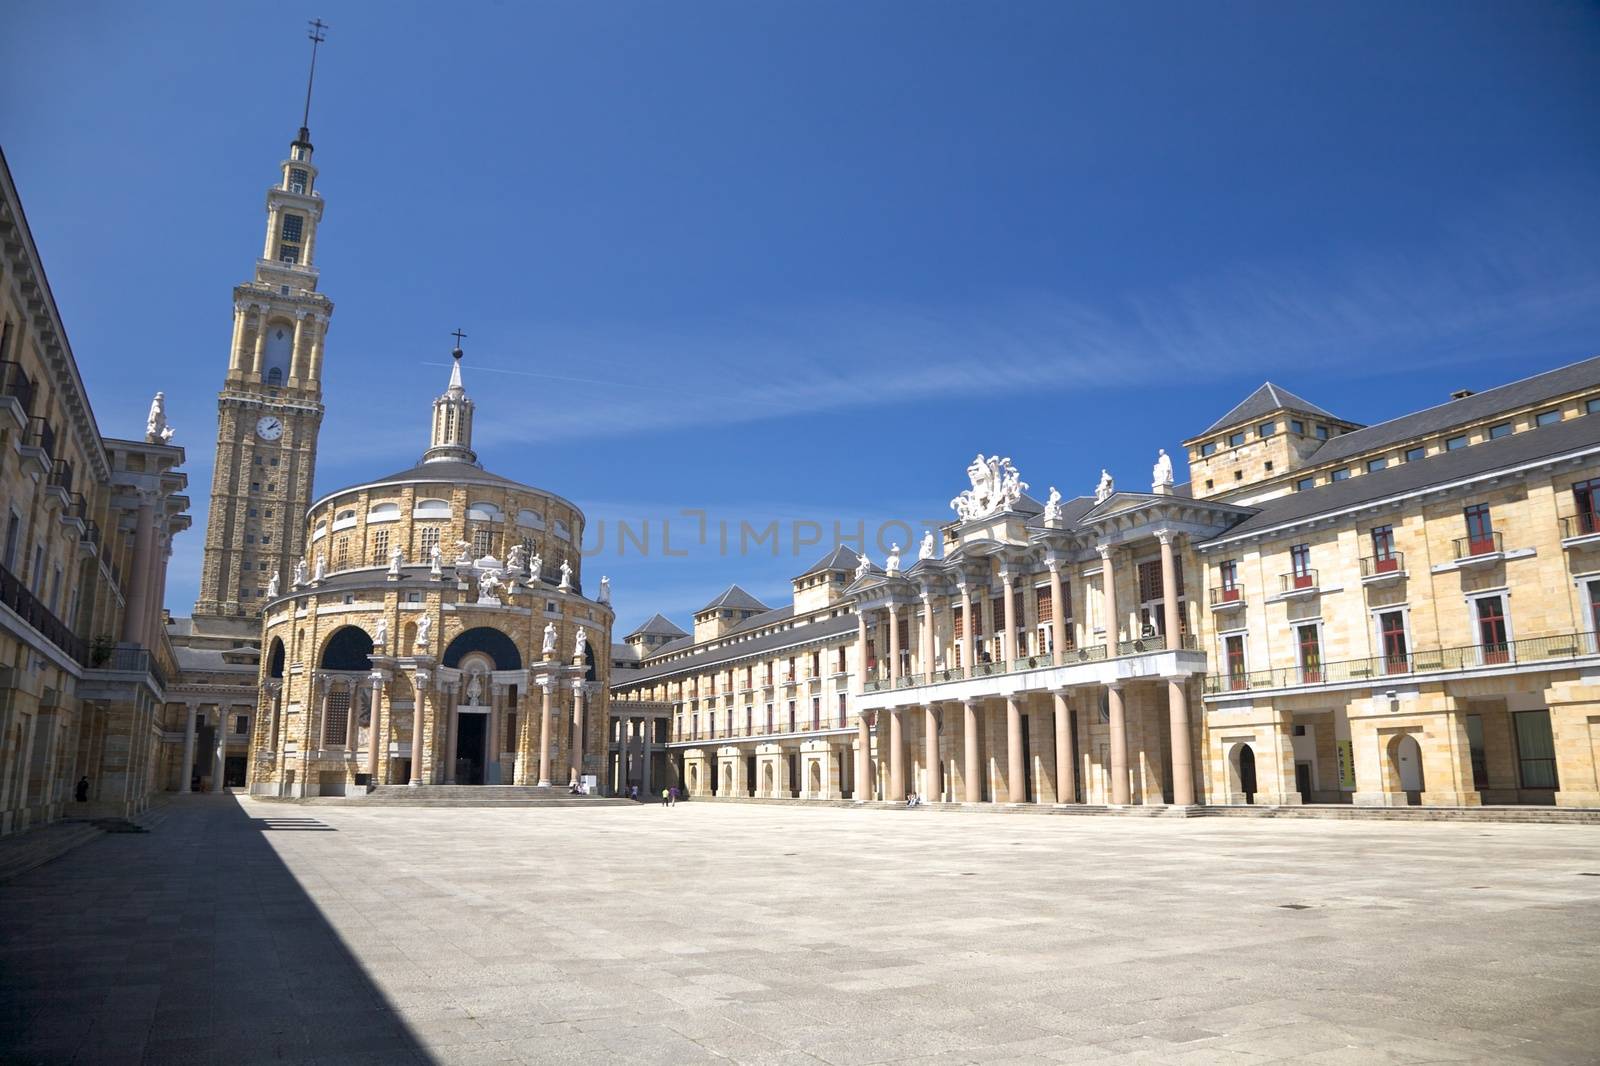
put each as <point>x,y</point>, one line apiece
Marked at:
<point>669,796</point>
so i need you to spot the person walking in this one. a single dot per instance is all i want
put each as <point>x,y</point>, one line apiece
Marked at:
<point>664,795</point>
<point>83,790</point>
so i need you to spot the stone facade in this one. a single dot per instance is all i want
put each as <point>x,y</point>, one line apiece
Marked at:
<point>435,631</point>
<point>1401,613</point>
<point>87,531</point>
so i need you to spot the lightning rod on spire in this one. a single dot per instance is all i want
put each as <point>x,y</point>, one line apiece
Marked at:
<point>317,37</point>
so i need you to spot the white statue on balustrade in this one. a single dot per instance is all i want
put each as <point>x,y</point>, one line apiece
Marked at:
<point>424,627</point>
<point>863,566</point>
<point>1103,491</point>
<point>580,644</point>
<point>156,428</point>
<point>996,486</point>
<point>892,567</point>
<point>605,589</point>
<point>1161,476</point>
<point>272,588</point>
<point>566,576</point>
<point>928,548</point>
<point>1052,506</point>
<point>435,561</point>
<point>321,570</point>
<point>299,573</point>
<point>549,649</point>
<point>474,689</point>
<point>380,634</point>
<point>516,559</point>
<point>397,559</point>
<point>463,554</point>
<point>535,568</point>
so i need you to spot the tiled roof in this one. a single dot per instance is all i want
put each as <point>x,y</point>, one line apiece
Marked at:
<point>1560,438</point>
<point>1265,400</point>
<point>657,626</point>
<point>744,649</point>
<point>840,558</point>
<point>735,598</point>
<point>1481,405</point>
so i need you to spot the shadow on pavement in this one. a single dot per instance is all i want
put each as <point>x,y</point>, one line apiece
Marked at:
<point>190,944</point>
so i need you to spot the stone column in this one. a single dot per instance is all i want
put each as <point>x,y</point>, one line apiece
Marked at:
<point>968,629</point>
<point>236,349</point>
<point>861,650</point>
<point>969,769</point>
<point>186,782</point>
<point>897,755</point>
<point>1066,758</point>
<point>1108,583</point>
<point>136,611</point>
<point>297,348</point>
<point>417,712</point>
<point>272,232</point>
<point>1058,614</point>
<point>575,762</point>
<point>925,667</point>
<point>452,709</point>
<point>491,758</point>
<point>1177,697</point>
<point>932,786</point>
<point>1016,773</point>
<point>1119,748</point>
<point>220,759</point>
<point>1008,641</point>
<point>863,758</point>
<point>373,730</point>
<point>893,673</point>
<point>258,358</point>
<point>645,741</point>
<point>547,688</point>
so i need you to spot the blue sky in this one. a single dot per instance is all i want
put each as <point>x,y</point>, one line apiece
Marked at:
<point>798,262</point>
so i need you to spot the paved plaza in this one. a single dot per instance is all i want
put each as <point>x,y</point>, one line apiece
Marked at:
<point>244,932</point>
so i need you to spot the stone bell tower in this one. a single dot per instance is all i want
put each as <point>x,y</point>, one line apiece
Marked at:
<point>270,406</point>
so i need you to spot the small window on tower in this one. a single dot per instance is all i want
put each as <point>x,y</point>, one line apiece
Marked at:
<point>297,180</point>
<point>293,227</point>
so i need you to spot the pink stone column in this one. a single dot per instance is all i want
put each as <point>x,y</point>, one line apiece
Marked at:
<point>1119,748</point>
<point>925,654</point>
<point>893,673</point>
<point>417,713</point>
<point>1016,773</point>
<point>1177,697</point>
<point>863,758</point>
<point>373,730</point>
<point>1066,758</point>
<point>969,769</point>
<point>1058,614</point>
<point>932,787</point>
<point>547,687</point>
<point>967,627</point>
<point>575,762</point>
<point>452,705</point>
<point>1108,582</point>
<point>861,650</point>
<point>136,611</point>
<point>897,755</point>
<point>1008,639</point>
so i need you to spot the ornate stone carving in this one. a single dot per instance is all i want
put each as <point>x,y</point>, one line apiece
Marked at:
<point>929,549</point>
<point>380,634</point>
<point>549,648</point>
<point>516,559</point>
<point>156,428</point>
<point>424,627</point>
<point>1103,491</point>
<point>1052,506</point>
<point>321,570</point>
<point>579,644</point>
<point>397,558</point>
<point>299,573</point>
<point>566,576</point>
<point>605,590</point>
<point>892,566</point>
<point>489,586</point>
<point>463,554</point>
<point>435,562</point>
<point>272,588</point>
<point>535,569</point>
<point>996,487</point>
<point>863,566</point>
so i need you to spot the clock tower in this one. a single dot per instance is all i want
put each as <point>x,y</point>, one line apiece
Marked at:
<point>270,407</point>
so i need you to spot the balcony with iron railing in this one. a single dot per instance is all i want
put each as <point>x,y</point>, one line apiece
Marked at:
<point>39,444</point>
<point>15,594</point>
<point>1580,529</point>
<point>75,510</point>
<point>1485,548</point>
<point>1226,597</point>
<point>1377,569</point>
<point>1298,583</point>
<point>1508,654</point>
<point>18,389</point>
<point>1043,661</point>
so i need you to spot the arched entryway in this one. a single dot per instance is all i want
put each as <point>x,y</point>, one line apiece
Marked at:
<point>814,782</point>
<point>275,658</point>
<point>766,780</point>
<point>1405,762</point>
<point>1244,770</point>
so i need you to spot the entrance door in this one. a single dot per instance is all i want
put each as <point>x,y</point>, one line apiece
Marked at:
<point>750,773</point>
<point>1408,765</point>
<point>1247,773</point>
<point>472,731</point>
<point>1302,781</point>
<point>1027,764</point>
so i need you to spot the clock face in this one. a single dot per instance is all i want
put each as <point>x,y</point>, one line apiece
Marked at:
<point>269,428</point>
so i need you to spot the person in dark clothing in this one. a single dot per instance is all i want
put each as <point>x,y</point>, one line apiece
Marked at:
<point>83,790</point>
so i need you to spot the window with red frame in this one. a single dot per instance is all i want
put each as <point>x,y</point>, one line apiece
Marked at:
<point>1234,648</point>
<point>1310,644</point>
<point>1396,649</point>
<point>1300,565</point>
<point>1383,558</point>
<point>1480,529</point>
<point>1228,574</point>
<point>1492,629</point>
<point>1586,494</point>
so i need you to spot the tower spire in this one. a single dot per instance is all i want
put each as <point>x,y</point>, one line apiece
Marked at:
<point>452,417</point>
<point>317,37</point>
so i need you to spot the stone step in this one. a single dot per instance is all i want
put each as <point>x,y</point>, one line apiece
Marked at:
<point>458,796</point>
<point>36,847</point>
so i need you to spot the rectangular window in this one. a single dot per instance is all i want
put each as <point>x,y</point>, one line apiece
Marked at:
<point>428,541</point>
<point>1043,605</point>
<point>1340,474</point>
<point>293,228</point>
<point>791,716</point>
<point>1310,648</point>
<point>1502,430</point>
<point>1480,529</point>
<point>1455,443</point>
<point>1266,429</point>
<point>1536,749</point>
<point>1234,649</point>
<point>1374,465</point>
<point>1413,454</point>
<point>482,542</point>
<point>241,725</point>
<point>1492,629</point>
<point>1297,426</point>
<point>1322,432</point>
<point>1236,439</point>
<point>816,712</point>
<point>380,548</point>
<point>1594,606</point>
<point>297,180</point>
<point>336,728</point>
<point>1384,560</point>
<point>13,534</point>
<point>1586,500</point>
<point>1228,573</point>
<point>1545,418</point>
<point>1396,649</point>
<point>1591,406</point>
<point>1300,566</point>
<point>1208,448</point>
<point>341,553</point>
<point>843,713</point>
<point>1305,483</point>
